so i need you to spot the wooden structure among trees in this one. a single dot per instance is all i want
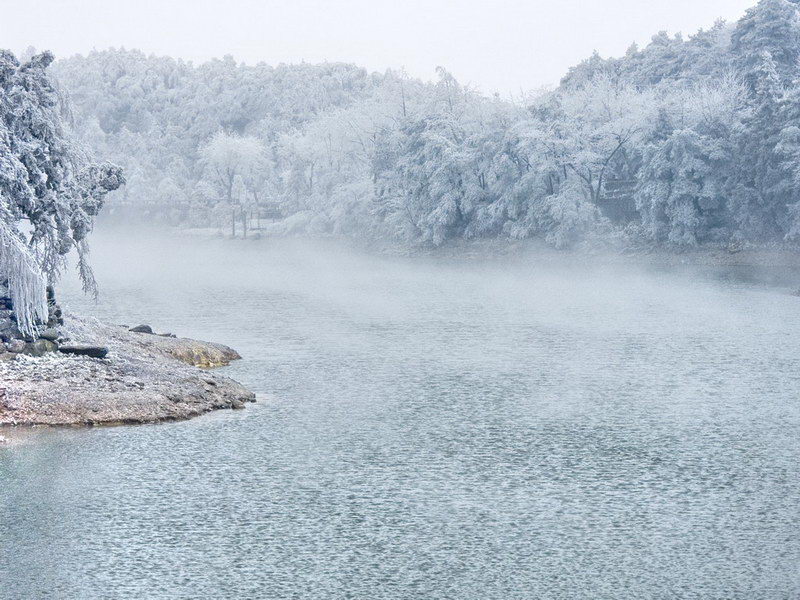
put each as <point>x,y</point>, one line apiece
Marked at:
<point>617,200</point>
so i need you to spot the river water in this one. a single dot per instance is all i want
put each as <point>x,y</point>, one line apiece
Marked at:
<point>428,429</point>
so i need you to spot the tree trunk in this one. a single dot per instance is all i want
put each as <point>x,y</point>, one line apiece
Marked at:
<point>233,222</point>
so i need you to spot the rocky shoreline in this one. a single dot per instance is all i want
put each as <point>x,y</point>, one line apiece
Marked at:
<point>142,378</point>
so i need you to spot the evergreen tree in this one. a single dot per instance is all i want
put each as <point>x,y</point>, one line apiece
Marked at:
<point>49,191</point>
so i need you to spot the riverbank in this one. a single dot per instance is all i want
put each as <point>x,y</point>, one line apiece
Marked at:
<point>144,378</point>
<point>776,266</point>
<point>612,250</point>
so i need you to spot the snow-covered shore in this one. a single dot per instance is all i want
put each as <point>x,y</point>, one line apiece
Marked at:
<point>145,378</point>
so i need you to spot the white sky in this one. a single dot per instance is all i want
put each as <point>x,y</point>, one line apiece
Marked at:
<point>500,45</point>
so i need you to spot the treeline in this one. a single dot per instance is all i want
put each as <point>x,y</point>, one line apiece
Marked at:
<point>686,141</point>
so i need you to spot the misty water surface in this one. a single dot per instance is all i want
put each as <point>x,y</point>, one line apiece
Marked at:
<point>428,429</point>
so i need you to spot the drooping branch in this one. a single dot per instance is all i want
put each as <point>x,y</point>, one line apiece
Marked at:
<point>27,284</point>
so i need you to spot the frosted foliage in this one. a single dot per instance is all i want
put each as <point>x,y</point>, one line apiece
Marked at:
<point>226,153</point>
<point>232,164</point>
<point>699,133</point>
<point>26,282</point>
<point>49,190</point>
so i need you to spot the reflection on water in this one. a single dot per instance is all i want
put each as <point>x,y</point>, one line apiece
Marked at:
<point>428,430</point>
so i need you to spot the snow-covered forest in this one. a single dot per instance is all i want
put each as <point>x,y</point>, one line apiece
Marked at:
<point>687,141</point>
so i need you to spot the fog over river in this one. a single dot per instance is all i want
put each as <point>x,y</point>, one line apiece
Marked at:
<point>427,428</point>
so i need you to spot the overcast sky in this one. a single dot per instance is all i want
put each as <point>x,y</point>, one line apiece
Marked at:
<point>499,45</point>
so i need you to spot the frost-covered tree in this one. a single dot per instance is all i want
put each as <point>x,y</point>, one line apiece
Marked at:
<point>49,191</point>
<point>685,179</point>
<point>678,191</point>
<point>771,27</point>
<point>597,129</point>
<point>231,164</point>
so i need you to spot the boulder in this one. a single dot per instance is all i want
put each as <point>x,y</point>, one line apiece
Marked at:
<point>39,348</point>
<point>15,346</point>
<point>51,334</point>
<point>84,350</point>
<point>142,329</point>
<point>9,331</point>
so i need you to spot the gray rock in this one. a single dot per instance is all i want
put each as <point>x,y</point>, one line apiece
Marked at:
<point>7,356</point>
<point>9,331</point>
<point>51,334</point>
<point>84,350</point>
<point>142,329</point>
<point>39,348</point>
<point>15,346</point>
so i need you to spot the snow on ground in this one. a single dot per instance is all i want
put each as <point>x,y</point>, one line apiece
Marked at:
<point>145,378</point>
